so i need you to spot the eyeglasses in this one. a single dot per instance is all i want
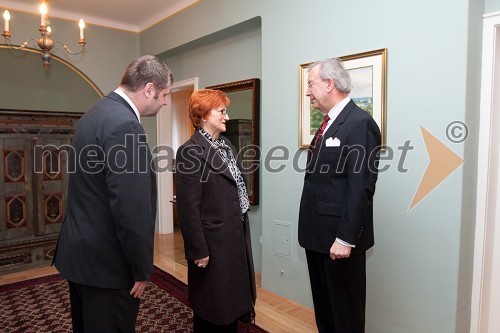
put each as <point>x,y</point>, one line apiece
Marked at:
<point>310,84</point>
<point>223,111</point>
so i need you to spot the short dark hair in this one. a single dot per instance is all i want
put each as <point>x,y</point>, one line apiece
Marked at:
<point>144,70</point>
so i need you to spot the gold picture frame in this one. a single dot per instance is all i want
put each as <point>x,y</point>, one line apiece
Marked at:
<point>368,76</point>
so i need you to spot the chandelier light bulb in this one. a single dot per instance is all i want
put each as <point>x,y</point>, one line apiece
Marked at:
<point>43,11</point>
<point>6,17</point>
<point>43,8</point>
<point>81,24</point>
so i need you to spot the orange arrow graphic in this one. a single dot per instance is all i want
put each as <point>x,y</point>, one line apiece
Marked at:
<point>442,162</point>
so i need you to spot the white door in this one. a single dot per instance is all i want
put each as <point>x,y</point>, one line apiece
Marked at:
<point>485,304</point>
<point>173,128</point>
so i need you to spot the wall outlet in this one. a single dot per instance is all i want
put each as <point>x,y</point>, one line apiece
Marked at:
<point>281,239</point>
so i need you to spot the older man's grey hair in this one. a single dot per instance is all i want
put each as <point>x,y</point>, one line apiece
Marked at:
<point>334,69</point>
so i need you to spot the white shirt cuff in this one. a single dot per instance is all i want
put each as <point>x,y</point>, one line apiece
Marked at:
<point>344,243</point>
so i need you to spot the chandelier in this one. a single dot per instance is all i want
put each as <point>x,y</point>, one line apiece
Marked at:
<point>45,42</point>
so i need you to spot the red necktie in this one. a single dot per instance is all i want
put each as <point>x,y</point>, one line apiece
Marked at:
<point>321,131</point>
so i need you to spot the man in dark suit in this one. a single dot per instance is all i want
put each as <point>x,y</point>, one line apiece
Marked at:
<point>105,248</point>
<point>336,208</point>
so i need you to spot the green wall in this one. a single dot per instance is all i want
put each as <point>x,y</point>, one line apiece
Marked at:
<point>421,260</point>
<point>491,6</point>
<point>419,272</point>
<point>60,89</point>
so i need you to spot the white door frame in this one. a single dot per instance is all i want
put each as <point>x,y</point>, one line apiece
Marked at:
<point>165,179</point>
<point>485,302</point>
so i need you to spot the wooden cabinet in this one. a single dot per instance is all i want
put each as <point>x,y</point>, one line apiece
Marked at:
<point>33,186</point>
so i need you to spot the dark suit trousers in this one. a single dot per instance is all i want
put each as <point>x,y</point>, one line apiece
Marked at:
<point>339,292</point>
<point>200,325</point>
<point>96,310</point>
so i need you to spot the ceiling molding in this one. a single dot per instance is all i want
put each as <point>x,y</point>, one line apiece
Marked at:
<point>132,15</point>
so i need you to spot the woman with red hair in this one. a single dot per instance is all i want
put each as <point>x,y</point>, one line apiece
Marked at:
<point>212,205</point>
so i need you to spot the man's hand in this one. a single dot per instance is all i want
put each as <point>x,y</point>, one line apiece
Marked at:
<point>138,288</point>
<point>339,251</point>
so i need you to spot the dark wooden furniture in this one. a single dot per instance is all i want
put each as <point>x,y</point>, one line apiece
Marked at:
<point>33,185</point>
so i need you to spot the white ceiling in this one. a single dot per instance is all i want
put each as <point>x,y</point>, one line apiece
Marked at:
<point>130,15</point>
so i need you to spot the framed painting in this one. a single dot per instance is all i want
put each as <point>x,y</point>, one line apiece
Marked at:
<point>368,91</point>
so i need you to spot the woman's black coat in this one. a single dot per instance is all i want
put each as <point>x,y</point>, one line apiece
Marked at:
<point>212,225</point>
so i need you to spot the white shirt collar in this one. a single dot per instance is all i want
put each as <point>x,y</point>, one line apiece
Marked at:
<point>335,111</point>
<point>129,101</point>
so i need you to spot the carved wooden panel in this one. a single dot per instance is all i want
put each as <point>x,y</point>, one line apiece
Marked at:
<point>33,185</point>
<point>16,211</point>
<point>16,197</point>
<point>51,164</point>
<point>51,182</point>
<point>14,165</point>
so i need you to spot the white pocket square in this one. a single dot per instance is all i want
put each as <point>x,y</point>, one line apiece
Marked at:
<point>331,142</point>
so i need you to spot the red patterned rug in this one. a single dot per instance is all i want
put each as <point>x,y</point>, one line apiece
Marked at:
<point>42,305</point>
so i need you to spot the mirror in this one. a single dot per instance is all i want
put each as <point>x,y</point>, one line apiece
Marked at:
<point>242,129</point>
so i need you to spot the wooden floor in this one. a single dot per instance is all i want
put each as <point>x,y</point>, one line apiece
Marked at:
<point>274,313</point>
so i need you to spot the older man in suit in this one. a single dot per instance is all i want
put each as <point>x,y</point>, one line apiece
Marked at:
<point>336,208</point>
<point>105,248</point>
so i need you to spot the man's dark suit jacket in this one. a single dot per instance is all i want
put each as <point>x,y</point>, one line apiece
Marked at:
<point>337,198</point>
<point>106,239</point>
